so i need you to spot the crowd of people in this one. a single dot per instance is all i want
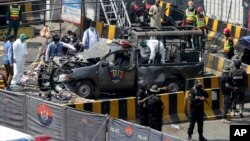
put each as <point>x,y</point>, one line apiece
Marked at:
<point>15,49</point>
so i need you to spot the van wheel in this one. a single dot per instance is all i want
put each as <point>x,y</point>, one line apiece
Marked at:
<point>173,85</point>
<point>85,89</point>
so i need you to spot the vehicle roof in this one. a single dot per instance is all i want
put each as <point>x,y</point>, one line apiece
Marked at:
<point>165,31</point>
<point>102,48</point>
<point>11,134</point>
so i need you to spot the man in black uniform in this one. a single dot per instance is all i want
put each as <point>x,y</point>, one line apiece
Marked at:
<point>226,89</point>
<point>142,103</point>
<point>239,81</point>
<point>155,109</point>
<point>197,97</point>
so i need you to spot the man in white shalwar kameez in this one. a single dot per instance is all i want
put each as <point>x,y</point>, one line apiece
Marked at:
<point>90,36</point>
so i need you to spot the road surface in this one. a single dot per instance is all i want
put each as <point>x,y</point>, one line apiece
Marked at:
<point>214,130</point>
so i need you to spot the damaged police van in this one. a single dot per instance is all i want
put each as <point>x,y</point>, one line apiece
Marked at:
<point>157,56</point>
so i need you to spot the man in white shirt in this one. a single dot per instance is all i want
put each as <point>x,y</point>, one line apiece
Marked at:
<point>90,36</point>
<point>149,48</point>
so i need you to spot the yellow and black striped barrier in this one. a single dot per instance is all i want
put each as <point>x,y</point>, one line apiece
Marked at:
<point>176,106</point>
<point>126,108</point>
<point>215,65</point>
<point>108,31</point>
<point>2,86</point>
<point>216,26</point>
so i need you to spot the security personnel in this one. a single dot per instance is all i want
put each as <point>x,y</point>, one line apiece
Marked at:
<point>201,24</point>
<point>155,109</point>
<point>226,89</point>
<point>142,94</point>
<point>189,20</point>
<point>197,97</point>
<point>228,44</point>
<point>14,19</point>
<point>239,81</point>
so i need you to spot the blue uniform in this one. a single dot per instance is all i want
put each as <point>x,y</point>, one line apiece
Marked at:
<point>8,53</point>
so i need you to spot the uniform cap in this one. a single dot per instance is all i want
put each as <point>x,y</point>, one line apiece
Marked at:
<point>237,63</point>
<point>196,81</point>
<point>154,89</point>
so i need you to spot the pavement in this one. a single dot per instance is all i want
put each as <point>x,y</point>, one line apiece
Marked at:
<point>214,130</point>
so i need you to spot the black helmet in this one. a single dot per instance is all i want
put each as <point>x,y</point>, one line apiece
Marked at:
<point>56,38</point>
<point>237,64</point>
<point>142,84</point>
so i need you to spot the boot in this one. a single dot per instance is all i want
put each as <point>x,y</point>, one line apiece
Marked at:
<point>189,138</point>
<point>233,113</point>
<point>202,138</point>
<point>241,110</point>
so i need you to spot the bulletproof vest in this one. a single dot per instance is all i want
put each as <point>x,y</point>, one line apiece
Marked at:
<point>238,78</point>
<point>155,106</point>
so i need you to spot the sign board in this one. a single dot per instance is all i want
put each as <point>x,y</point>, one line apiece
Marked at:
<point>71,11</point>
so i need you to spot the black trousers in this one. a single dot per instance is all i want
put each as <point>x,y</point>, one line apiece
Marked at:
<point>189,37</point>
<point>196,115</point>
<point>238,96</point>
<point>155,123</point>
<point>13,24</point>
<point>143,116</point>
<point>226,104</point>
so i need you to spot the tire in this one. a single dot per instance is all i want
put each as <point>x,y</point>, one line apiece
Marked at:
<point>173,85</point>
<point>85,89</point>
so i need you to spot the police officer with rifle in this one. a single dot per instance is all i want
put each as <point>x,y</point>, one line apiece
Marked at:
<point>197,97</point>
<point>239,78</point>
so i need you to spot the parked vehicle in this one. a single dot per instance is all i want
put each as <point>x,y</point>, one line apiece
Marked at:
<point>8,134</point>
<point>117,66</point>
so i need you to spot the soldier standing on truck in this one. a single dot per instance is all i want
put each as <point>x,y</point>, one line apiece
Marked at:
<point>239,81</point>
<point>201,24</point>
<point>228,44</point>
<point>189,20</point>
<point>14,19</point>
<point>155,14</point>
